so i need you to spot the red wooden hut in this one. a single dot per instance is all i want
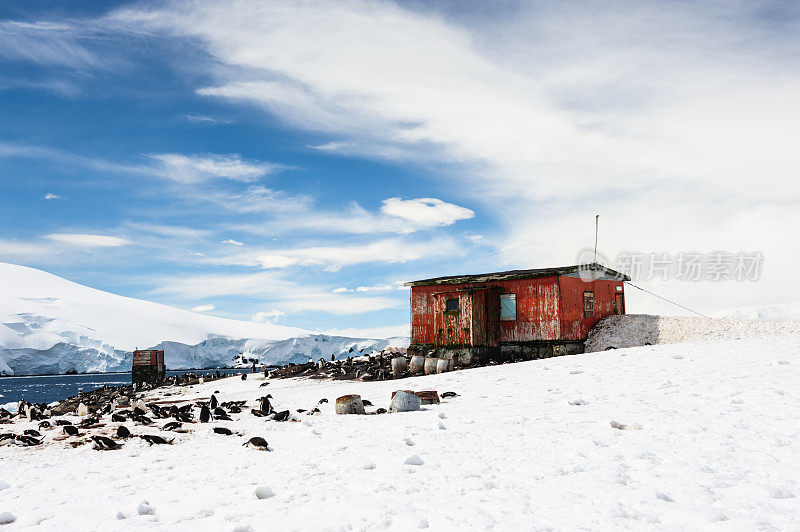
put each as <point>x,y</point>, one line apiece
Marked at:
<point>515,314</point>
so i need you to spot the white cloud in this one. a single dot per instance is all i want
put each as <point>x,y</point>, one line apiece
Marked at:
<point>203,308</point>
<point>426,212</point>
<point>45,43</point>
<point>268,317</point>
<point>196,168</point>
<point>286,295</point>
<point>51,196</point>
<point>388,250</point>
<point>195,118</point>
<point>375,288</point>
<point>391,331</point>
<point>233,242</point>
<point>89,241</point>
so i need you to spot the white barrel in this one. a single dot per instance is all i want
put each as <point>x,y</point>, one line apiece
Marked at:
<point>404,402</point>
<point>430,365</point>
<point>417,365</point>
<point>399,366</point>
<point>349,404</point>
<point>443,365</point>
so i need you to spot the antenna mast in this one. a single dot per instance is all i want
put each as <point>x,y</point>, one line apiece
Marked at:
<point>596,227</point>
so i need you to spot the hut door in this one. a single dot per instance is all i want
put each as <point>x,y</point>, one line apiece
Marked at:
<point>619,304</point>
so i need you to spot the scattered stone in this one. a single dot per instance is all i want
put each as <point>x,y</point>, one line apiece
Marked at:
<point>264,492</point>
<point>414,460</point>
<point>403,401</point>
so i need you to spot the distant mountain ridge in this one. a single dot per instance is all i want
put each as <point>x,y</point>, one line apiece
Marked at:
<point>51,325</point>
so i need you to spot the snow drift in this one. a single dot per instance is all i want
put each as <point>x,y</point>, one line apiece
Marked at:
<point>51,325</point>
<point>633,330</point>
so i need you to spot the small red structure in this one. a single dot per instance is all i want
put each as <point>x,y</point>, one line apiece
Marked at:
<point>515,314</point>
<point>148,366</point>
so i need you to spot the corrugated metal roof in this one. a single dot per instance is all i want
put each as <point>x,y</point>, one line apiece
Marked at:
<point>518,274</point>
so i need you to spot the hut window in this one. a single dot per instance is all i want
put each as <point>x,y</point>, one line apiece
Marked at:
<point>451,305</point>
<point>588,304</point>
<point>508,307</point>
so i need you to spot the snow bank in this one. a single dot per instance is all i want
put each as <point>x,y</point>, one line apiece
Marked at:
<point>706,439</point>
<point>632,330</point>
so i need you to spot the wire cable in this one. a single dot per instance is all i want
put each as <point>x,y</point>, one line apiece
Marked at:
<point>667,300</point>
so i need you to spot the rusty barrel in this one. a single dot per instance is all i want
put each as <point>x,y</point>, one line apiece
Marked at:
<point>399,366</point>
<point>349,404</point>
<point>430,365</point>
<point>417,365</point>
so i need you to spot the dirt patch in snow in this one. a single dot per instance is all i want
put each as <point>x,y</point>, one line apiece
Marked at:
<point>632,330</point>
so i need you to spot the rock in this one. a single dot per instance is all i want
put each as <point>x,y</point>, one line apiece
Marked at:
<point>403,401</point>
<point>349,404</point>
<point>264,492</point>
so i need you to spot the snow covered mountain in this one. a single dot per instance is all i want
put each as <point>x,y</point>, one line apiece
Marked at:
<point>51,325</point>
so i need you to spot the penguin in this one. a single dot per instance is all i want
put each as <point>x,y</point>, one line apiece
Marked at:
<point>257,413</point>
<point>366,403</point>
<point>219,411</point>
<point>312,412</point>
<point>44,425</point>
<point>144,420</point>
<point>123,432</point>
<point>266,406</point>
<point>154,440</point>
<point>70,430</point>
<point>380,411</point>
<point>101,443</point>
<point>62,422</point>
<point>27,441</point>
<point>244,376</point>
<point>323,400</point>
<point>32,432</point>
<point>282,416</point>
<point>233,409</point>
<point>6,438</point>
<point>117,418</point>
<point>449,394</point>
<point>258,443</point>
<point>205,414</point>
<point>214,403</point>
<point>263,384</point>
<point>138,411</point>
<point>223,431</point>
<point>223,417</point>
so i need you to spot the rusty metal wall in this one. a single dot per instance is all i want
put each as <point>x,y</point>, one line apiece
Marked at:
<point>548,308</point>
<point>574,325</point>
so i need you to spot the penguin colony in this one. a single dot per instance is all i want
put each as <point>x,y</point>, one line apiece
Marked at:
<point>100,408</point>
<point>96,427</point>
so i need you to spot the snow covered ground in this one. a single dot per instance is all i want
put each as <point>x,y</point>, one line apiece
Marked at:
<point>51,325</point>
<point>683,436</point>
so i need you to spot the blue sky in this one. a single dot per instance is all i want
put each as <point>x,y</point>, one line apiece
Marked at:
<point>268,159</point>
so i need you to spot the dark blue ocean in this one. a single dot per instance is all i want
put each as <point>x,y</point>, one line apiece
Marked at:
<point>50,388</point>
